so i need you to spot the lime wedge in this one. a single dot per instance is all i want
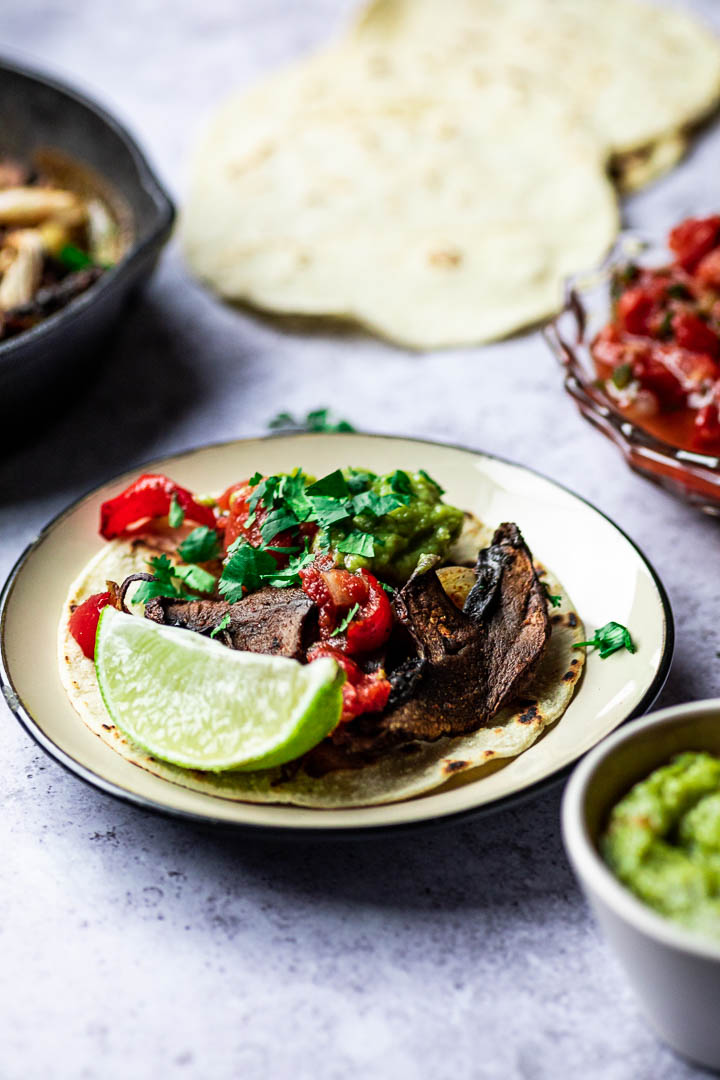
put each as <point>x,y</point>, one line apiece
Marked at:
<point>194,702</point>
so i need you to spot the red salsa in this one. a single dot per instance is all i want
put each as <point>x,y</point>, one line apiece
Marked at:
<point>659,356</point>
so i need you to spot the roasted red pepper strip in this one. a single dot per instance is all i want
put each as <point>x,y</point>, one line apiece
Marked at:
<point>149,497</point>
<point>362,692</point>
<point>335,592</point>
<point>84,621</point>
<point>371,627</point>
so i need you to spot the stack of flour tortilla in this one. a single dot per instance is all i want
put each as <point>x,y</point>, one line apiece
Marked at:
<point>435,174</point>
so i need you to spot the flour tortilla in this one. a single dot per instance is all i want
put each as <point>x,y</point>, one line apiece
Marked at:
<point>432,224</point>
<point>400,774</point>
<point>437,173</point>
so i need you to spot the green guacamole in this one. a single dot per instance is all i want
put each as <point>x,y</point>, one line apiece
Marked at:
<point>663,841</point>
<point>425,525</point>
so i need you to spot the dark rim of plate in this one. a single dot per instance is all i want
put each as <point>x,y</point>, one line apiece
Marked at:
<point>147,179</point>
<point>301,832</point>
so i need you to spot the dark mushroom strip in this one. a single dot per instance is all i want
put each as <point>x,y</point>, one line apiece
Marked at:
<point>469,663</point>
<point>279,622</point>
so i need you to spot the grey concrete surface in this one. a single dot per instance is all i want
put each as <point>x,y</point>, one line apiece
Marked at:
<point>133,946</point>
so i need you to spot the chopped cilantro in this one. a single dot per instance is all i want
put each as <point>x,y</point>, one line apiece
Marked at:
<point>368,502</point>
<point>255,479</point>
<point>622,376</point>
<point>621,278</point>
<point>400,482</point>
<point>426,476</point>
<point>315,420</point>
<point>327,511</point>
<point>358,543</point>
<point>553,599</point>
<point>200,546</point>
<point>608,639</point>
<point>358,480</point>
<point>163,584</point>
<point>333,486</point>
<point>342,627</point>
<point>74,258</point>
<point>176,514</point>
<point>196,578</point>
<point>678,291</point>
<point>222,625</point>
<point>665,329</point>
<point>276,522</point>
<point>244,570</point>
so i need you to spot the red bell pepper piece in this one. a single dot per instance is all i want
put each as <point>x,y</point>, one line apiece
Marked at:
<point>362,692</point>
<point>335,592</point>
<point>84,620</point>
<point>149,497</point>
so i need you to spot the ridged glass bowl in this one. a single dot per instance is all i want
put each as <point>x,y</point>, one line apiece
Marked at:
<point>691,476</point>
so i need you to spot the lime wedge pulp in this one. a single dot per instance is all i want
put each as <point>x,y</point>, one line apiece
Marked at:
<point>194,702</point>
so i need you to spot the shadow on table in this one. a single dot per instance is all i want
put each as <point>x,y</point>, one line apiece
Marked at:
<point>141,388</point>
<point>510,858</point>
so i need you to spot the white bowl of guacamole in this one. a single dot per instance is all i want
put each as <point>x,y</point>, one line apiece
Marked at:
<point>641,824</point>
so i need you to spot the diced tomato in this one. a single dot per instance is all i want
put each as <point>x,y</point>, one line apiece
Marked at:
<point>146,498</point>
<point>84,621</point>
<point>336,591</point>
<point>635,310</point>
<point>362,692</point>
<point>706,434</point>
<point>690,332</point>
<point>691,240</point>
<point>707,273</point>
<point>653,374</point>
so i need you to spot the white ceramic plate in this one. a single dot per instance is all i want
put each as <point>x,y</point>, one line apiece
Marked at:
<point>605,574</point>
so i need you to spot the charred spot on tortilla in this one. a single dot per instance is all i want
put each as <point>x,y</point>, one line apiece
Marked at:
<point>455,766</point>
<point>572,619</point>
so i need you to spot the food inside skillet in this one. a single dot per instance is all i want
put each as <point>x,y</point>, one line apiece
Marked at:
<point>54,244</point>
<point>368,609</point>
<point>659,356</point>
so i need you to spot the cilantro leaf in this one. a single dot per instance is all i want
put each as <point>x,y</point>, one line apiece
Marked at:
<point>222,625</point>
<point>326,511</point>
<point>368,502</point>
<point>176,514</point>
<point>333,486</point>
<point>553,599</point>
<point>315,420</point>
<point>400,482</point>
<point>426,476</point>
<point>196,578</point>
<point>201,545</point>
<point>255,479</point>
<point>358,480</point>
<point>678,291</point>
<point>244,570</point>
<point>276,522</point>
<point>163,584</point>
<point>289,575</point>
<point>358,543</point>
<point>343,625</point>
<point>608,639</point>
<point>622,376</point>
<point>665,330</point>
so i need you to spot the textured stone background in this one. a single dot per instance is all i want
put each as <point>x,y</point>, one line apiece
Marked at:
<point>137,947</point>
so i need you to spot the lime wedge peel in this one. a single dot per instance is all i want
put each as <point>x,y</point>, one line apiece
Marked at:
<point>195,703</point>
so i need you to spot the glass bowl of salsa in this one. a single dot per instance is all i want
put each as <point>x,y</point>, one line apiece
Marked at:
<point>639,340</point>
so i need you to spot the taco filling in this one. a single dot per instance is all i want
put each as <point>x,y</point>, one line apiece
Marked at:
<point>438,650</point>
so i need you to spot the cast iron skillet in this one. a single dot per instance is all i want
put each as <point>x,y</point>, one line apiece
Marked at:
<point>43,364</point>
